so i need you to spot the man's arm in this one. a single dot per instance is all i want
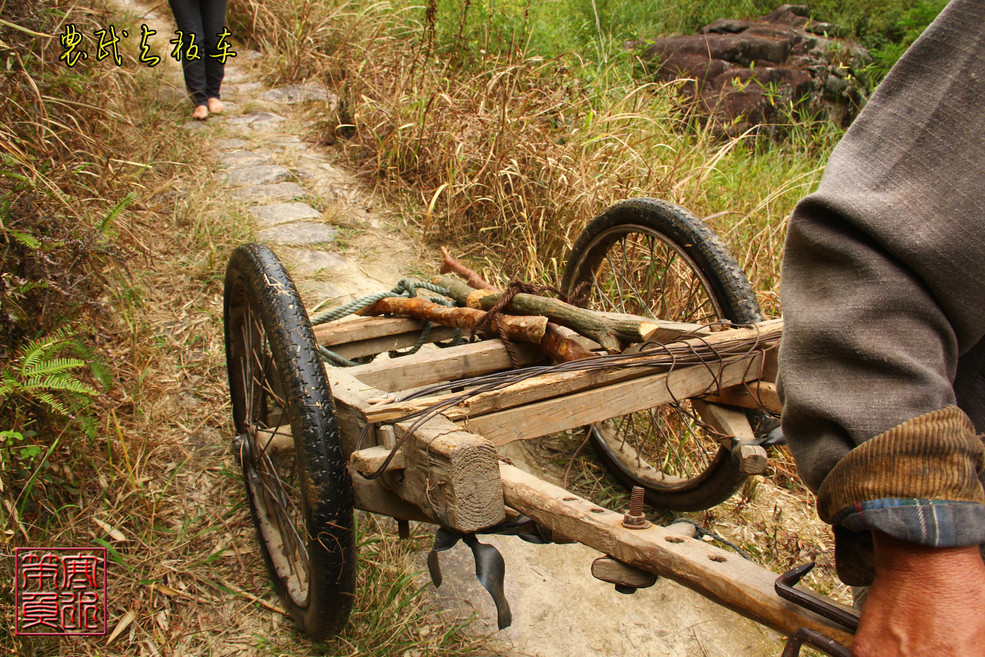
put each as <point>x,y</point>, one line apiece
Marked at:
<point>924,602</point>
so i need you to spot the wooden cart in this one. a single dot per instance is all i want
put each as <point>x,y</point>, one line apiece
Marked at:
<point>415,437</point>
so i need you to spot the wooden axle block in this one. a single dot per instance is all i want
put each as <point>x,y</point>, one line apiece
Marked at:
<point>615,572</point>
<point>449,474</point>
<point>752,459</point>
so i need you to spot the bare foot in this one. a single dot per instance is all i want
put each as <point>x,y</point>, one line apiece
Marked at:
<point>216,106</point>
<point>200,113</point>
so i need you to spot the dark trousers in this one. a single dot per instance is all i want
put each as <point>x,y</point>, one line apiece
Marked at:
<point>205,19</point>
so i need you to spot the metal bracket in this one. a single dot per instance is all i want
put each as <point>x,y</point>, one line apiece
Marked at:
<point>784,587</point>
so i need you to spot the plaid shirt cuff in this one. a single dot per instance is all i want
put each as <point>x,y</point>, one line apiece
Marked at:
<point>934,523</point>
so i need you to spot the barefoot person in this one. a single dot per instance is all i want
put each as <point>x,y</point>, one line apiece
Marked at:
<point>882,364</point>
<point>204,20</point>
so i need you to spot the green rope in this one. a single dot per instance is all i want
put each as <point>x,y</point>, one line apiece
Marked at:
<point>406,288</point>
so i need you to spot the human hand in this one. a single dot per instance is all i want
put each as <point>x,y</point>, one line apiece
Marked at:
<point>924,602</point>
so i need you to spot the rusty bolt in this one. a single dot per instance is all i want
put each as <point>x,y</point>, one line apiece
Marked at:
<point>635,518</point>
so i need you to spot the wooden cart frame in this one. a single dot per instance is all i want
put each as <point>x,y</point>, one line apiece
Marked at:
<point>316,441</point>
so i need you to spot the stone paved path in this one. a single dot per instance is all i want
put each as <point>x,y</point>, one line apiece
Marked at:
<point>315,216</point>
<point>323,223</point>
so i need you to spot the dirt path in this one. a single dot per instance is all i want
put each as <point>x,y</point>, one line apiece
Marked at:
<point>338,243</point>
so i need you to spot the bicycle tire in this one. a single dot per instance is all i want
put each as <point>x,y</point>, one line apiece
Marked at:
<point>633,257</point>
<point>298,488</point>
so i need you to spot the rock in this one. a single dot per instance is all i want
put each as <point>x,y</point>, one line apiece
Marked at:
<point>231,144</point>
<point>257,175</point>
<point>194,125</point>
<point>297,93</point>
<point>276,192</point>
<point>307,261</point>
<point>256,120</point>
<point>242,159</point>
<point>742,74</point>
<point>300,234</point>
<point>283,213</point>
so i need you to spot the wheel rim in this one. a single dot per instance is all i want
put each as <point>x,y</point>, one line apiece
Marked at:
<point>273,478</point>
<point>634,269</point>
<point>630,267</point>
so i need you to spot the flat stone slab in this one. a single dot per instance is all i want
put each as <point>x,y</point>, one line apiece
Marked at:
<point>264,174</point>
<point>246,87</point>
<point>231,144</point>
<point>276,192</point>
<point>296,93</point>
<point>194,125</point>
<point>309,261</point>
<point>257,120</point>
<point>283,213</point>
<point>242,159</point>
<point>300,234</point>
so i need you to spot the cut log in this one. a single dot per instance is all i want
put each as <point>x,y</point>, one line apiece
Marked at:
<point>473,279</point>
<point>611,334</point>
<point>511,327</point>
<point>450,474</point>
<point>721,576</point>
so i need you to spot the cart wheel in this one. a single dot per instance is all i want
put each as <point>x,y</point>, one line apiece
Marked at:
<point>288,444</point>
<point>652,258</point>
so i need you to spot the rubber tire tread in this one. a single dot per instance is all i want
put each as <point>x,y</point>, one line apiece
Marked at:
<point>305,387</point>
<point>734,294</point>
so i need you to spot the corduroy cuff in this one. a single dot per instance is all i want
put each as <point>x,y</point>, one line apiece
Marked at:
<point>936,456</point>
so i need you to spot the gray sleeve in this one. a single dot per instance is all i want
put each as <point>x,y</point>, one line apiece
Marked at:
<point>883,281</point>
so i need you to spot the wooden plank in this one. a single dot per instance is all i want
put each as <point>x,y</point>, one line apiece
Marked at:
<point>437,365</point>
<point>557,384</point>
<point>724,419</point>
<point>753,394</point>
<point>733,422</point>
<point>450,474</point>
<point>354,329</point>
<point>721,576</point>
<point>571,411</point>
<point>383,344</point>
<point>369,460</point>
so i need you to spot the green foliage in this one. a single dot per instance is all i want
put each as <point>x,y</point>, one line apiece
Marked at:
<point>48,373</point>
<point>903,31</point>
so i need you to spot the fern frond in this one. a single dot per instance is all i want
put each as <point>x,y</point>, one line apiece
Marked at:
<point>49,399</point>
<point>62,383</point>
<point>53,366</point>
<point>117,209</point>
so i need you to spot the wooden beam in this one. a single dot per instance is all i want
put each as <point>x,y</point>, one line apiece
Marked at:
<point>557,384</point>
<point>753,394</point>
<point>437,365</point>
<point>355,328</point>
<point>575,410</point>
<point>450,474</point>
<point>732,421</point>
<point>385,343</point>
<point>370,495</point>
<point>723,577</point>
